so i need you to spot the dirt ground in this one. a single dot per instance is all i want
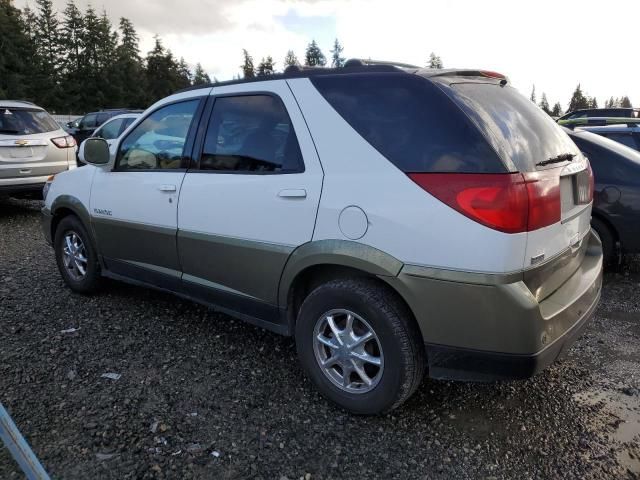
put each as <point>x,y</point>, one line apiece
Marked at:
<point>201,395</point>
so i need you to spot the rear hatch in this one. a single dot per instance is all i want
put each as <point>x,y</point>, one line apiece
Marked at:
<point>557,176</point>
<point>26,146</point>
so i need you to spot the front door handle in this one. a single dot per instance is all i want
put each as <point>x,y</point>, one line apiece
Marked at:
<point>293,193</point>
<point>167,188</point>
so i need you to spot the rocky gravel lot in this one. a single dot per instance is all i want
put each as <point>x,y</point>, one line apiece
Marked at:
<point>201,395</point>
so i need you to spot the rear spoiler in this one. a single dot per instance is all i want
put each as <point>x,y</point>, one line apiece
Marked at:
<point>599,121</point>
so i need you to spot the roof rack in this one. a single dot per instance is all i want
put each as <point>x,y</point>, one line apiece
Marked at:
<point>599,122</point>
<point>299,71</point>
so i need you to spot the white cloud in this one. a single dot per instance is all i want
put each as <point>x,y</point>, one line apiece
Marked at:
<point>553,44</point>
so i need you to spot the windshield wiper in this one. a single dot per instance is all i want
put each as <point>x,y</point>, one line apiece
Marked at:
<point>3,130</point>
<point>563,157</point>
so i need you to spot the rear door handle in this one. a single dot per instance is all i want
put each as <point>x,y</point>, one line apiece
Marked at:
<point>167,188</point>
<point>293,193</point>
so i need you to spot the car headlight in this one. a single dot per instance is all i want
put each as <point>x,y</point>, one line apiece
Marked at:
<point>47,185</point>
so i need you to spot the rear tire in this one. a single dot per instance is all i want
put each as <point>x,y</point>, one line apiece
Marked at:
<point>395,343</point>
<point>608,241</point>
<point>76,256</point>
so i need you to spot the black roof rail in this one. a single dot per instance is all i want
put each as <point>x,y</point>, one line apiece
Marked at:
<point>299,71</point>
<point>361,62</point>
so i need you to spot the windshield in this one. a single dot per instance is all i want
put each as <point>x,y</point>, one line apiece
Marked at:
<point>24,121</point>
<point>522,133</point>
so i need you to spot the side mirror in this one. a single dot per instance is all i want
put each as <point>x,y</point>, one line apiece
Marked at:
<point>95,151</point>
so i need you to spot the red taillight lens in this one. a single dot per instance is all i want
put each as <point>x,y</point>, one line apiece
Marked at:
<point>510,202</point>
<point>543,190</point>
<point>64,142</point>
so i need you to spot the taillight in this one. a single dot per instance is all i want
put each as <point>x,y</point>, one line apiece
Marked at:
<point>64,142</point>
<point>509,202</point>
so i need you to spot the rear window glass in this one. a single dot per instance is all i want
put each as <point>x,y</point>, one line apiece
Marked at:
<point>23,121</point>
<point>409,121</point>
<point>521,132</point>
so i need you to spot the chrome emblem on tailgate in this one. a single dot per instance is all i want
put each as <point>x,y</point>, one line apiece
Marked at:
<point>21,143</point>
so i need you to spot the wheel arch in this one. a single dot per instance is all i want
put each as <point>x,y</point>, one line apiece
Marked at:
<point>608,223</point>
<point>66,205</point>
<point>317,262</point>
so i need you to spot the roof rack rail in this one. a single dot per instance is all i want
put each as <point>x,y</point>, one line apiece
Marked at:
<point>362,62</point>
<point>599,122</point>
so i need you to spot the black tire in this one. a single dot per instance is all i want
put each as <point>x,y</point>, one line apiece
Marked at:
<point>397,332</point>
<point>91,280</point>
<point>608,241</point>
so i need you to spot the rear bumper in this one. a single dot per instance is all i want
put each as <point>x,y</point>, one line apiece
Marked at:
<point>498,329</point>
<point>34,189</point>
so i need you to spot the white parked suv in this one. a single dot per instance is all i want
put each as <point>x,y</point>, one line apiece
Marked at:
<point>32,148</point>
<point>396,221</point>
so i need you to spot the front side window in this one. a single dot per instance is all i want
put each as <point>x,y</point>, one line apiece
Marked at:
<point>251,133</point>
<point>89,121</point>
<point>110,130</point>
<point>158,142</point>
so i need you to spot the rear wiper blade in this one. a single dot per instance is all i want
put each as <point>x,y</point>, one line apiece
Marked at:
<point>563,157</point>
<point>2,130</point>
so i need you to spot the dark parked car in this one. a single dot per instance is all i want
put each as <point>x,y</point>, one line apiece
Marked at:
<point>616,204</point>
<point>84,127</point>
<point>628,135</point>
<point>600,112</point>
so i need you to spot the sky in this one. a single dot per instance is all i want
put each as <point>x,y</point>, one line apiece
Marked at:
<point>552,44</point>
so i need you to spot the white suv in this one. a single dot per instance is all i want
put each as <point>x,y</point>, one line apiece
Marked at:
<point>394,220</point>
<point>32,147</point>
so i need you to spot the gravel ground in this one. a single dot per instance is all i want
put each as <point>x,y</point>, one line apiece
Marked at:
<point>203,396</point>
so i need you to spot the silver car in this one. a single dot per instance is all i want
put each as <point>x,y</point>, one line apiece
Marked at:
<point>32,148</point>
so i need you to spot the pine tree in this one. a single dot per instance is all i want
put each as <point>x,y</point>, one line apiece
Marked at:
<point>556,111</point>
<point>625,102</point>
<point>593,102</point>
<point>48,53</point>
<point>313,56</point>
<point>266,67</point>
<point>533,94</point>
<point>129,68</point>
<point>200,77</point>
<point>337,60</point>
<point>183,75</point>
<point>248,70</point>
<point>290,59</point>
<point>544,104</point>
<point>435,61</point>
<point>16,54</point>
<point>578,100</point>
<point>160,78</point>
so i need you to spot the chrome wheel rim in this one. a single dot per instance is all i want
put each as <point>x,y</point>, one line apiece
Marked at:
<point>348,351</point>
<point>74,256</point>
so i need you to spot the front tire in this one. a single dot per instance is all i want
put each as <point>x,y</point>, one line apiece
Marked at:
<point>357,341</point>
<point>76,257</point>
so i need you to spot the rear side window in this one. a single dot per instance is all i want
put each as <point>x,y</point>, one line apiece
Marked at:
<point>520,131</point>
<point>409,121</point>
<point>251,134</point>
<point>623,138</point>
<point>89,121</point>
<point>103,117</point>
<point>22,121</point>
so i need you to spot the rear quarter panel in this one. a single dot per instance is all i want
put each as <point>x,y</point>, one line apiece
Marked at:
<point>402,219</point>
